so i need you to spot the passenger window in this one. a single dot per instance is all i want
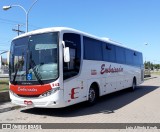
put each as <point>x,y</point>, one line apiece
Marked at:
<point>92,49</point>
<point>120,55</point>
<point>129,57</point>
<point>109,53</point>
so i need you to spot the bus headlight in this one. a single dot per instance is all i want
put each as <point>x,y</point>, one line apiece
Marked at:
<point>50,92</point>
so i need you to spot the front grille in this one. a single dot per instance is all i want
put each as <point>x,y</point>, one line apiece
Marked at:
<point>30,96</point>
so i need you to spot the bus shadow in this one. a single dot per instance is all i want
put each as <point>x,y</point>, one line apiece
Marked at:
<point>106,104</point>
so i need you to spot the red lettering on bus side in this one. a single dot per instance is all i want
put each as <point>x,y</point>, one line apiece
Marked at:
<point>110,69</point>
<point>73,93</point>
<point>103,69</point>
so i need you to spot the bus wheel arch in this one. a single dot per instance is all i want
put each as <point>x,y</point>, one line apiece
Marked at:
<point>93,93</point>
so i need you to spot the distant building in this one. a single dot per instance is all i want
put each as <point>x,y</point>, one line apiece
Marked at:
<point>4,60</point>
<point>4,65</point>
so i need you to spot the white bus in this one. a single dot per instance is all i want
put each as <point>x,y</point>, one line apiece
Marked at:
<point>57,67</point>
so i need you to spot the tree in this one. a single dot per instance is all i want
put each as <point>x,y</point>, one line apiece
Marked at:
<point>151,66</point>
<point>157,66</point>
<point>148,65</point>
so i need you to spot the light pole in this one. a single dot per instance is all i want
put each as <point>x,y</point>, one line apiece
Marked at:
<point>149,64</point>
<point>26,11</point>
<point>146,44</point>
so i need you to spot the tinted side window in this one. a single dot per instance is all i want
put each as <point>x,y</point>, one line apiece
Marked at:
<point>120,55</point>
<point>72,41</point>
<point>129,57</point>
<point>135,59</point>
<point>109,53</point>
<point>140,58</point>
<point>138,61</point>
<point>92,49</point>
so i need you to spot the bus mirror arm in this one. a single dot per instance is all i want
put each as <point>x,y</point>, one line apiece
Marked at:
<point>66,53</point>
<point>63,43</point>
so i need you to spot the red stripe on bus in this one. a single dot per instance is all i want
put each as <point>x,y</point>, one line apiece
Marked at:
<point>30,89</point>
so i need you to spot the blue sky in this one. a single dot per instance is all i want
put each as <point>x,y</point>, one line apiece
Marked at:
<point>130,22</point>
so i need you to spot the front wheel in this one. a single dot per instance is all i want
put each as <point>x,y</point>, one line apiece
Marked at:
<point>92,96</point>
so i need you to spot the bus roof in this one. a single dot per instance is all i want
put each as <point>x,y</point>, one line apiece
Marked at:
<point>71,30</point>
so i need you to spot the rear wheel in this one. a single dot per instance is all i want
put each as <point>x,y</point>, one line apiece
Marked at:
<point>134,84</point>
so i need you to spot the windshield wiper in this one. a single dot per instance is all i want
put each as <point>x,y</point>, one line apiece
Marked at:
<point>15,75</point>
<point>37,75</point>
<point>17,66</point>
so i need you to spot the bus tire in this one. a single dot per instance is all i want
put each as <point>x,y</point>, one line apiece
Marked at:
<point>134,84</point>
<point>92,95</point>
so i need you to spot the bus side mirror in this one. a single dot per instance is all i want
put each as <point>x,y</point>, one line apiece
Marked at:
<point>66,53</point>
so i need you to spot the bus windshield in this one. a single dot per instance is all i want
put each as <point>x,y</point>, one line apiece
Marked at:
<point>34,58</point>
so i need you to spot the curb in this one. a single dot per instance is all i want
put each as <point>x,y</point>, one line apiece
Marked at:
<point>5,102</point>
<point>148,78</point>
<point>9,108</point>
<point>4,96</point>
